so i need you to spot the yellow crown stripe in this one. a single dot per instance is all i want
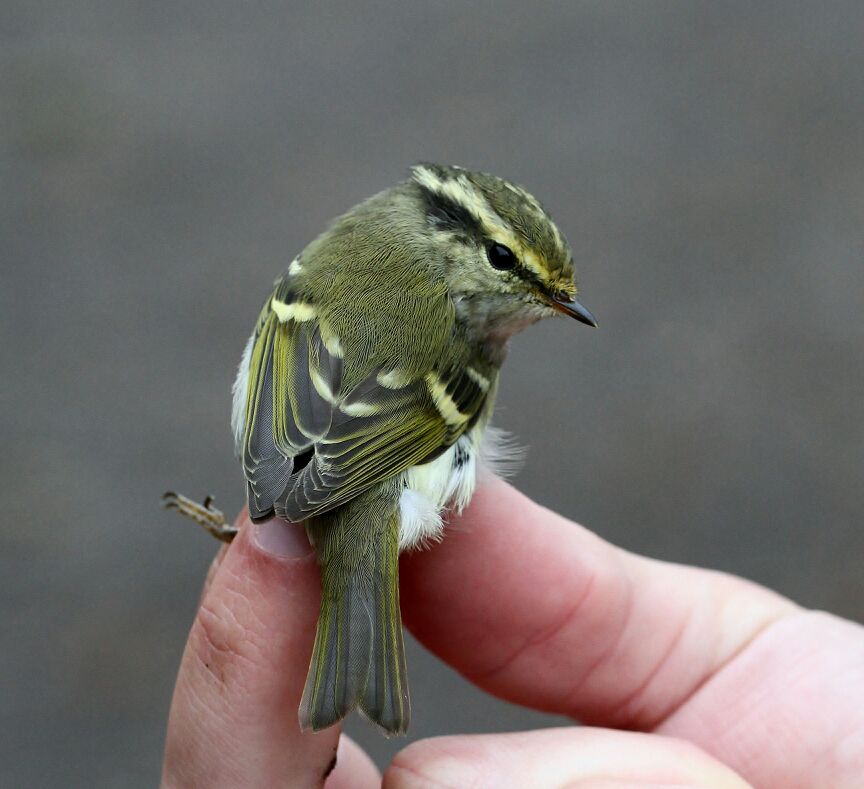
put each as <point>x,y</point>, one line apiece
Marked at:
<point>465,194</point>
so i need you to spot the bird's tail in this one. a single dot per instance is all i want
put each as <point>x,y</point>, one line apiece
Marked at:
<point>359,655</point>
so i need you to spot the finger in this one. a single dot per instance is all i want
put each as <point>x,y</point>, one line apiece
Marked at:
<point>788,710</point>
<point>538,610</point>
<point>589,758</point>
<point>354,769</point>
<point>212,570</point>
<point>233,718</point>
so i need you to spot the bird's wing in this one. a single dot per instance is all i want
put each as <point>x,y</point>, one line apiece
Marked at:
<point>308,445</point>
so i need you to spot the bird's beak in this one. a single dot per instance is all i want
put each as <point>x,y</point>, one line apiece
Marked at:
<point>574,309</point>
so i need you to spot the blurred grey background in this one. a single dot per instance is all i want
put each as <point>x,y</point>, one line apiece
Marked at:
<point>161,163</point>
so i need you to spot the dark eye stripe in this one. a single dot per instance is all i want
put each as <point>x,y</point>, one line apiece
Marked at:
<point>448,214</point>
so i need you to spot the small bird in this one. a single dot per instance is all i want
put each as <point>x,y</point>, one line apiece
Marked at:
<point>364,393</point>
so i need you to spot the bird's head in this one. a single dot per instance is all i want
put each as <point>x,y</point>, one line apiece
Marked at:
<point>505,262</point>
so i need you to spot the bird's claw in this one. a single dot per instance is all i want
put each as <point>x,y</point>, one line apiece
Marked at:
<point>204,514</point>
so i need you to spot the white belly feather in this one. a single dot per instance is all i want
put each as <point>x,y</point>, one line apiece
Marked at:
<point>446,482</point>
<point>239,394</point>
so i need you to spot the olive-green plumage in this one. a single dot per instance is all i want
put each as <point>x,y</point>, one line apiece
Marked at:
<point>364,392</point>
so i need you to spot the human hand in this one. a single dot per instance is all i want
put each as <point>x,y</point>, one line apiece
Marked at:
<point>720,682</point>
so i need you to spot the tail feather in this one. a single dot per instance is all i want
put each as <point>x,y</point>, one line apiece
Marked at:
<point>359,656</point>
<point>385,699</point>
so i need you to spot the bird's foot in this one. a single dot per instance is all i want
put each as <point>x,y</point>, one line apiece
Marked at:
<point>204,514</point>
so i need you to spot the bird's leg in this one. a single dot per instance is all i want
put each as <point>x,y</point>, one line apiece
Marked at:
<point>204,514</point>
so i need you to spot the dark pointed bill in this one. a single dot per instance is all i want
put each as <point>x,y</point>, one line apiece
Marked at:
<point>574,309</point>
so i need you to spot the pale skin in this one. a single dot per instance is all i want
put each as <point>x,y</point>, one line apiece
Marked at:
<point>683,677</point>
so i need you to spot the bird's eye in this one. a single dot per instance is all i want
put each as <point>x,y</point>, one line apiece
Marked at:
<point>501,257</point>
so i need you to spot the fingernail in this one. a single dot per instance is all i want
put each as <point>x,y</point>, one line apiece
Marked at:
<point>283,539</point>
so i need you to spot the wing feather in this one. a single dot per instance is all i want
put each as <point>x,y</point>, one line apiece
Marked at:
<point>309,446</point>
